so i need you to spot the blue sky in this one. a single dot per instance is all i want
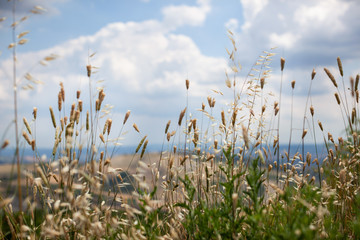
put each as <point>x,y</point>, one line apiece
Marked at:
<point>146,49</point>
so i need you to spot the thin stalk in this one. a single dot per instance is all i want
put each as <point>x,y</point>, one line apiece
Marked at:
<point>291,125</point>
<point>278,131</point>
<point>17,156</point>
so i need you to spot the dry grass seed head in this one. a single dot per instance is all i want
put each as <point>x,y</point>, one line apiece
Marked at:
<point>331,77</point>
<point>140,144</point>
<point>88,69</point>
<point>223,118</point>
<point>262,82</point>
<point>109,123</point>
<point>320,125</point>
<point>33,144</point>
<point>5,144</point>
<point>340,66</point>
<point>126,116</point>
<point>136,128</point>
<point>313,73</point>
<point>59,101</point>
<point>26,137</point>
<point>144,148</point>
<point>312,110</point>
<point>52,116</point>
<point>35,112</point>
<point>293,84</point>
<point>245,136</point>
<point>282,63</point>
<point>353,115</point>
<point>304,133</point>
<point>80,105</point>
<point>181,116</point>
<point>27,125</point>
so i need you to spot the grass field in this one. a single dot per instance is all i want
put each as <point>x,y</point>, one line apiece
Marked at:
<point>219,176</point>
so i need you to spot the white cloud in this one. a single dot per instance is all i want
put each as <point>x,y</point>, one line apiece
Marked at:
<point>251,10</point>
<point>309,33</point>
<point>232,24</point>
<point>144,66</point>
<point>286,40</point>
<point>322,14</point>
<point>177,16</point>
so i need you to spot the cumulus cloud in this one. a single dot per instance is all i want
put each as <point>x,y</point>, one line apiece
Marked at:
<point>177,16</point>
<point>144,65</point>
<point>309,34</point>
<point>232,24</point>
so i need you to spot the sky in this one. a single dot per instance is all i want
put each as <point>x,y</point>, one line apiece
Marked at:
<point>146,49</point>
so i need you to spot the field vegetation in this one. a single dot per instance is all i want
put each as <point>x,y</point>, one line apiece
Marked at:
<point>220,176</point>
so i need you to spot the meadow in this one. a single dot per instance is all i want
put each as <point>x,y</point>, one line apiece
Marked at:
<point>220,176</point>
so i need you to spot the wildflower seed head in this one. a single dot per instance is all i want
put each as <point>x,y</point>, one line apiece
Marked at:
<point>320,125</point>
<point>313,73</point>
<point>353,115</point>
<point>59,101</point>
<point>340,66</point>
<point>262,82</point>
<point>87,121</point>
<point>136,128</point>
<point>245,136</point>
<point>233,118</point>
<point>331,77</point>
<point>223,118</point>
<point>282,63</point>
<point>33,144</point>
<point>275,104</point>
<point>293,84</point>
<point>52,116</point>
<point>5,144</point>
<point>78,94</point>
<point>167,126</point>
<point>97,105</point>
<point>352,83</point>
<point>35,112</point>
<point>187,83</point>
<point>312,111</point>
<point>304,133</point>
<point>181,116</point>
<point>62,91</point>
<point>140,144</point>
<point>109,121</point>
<point>126,117</point>
<point>144,148</point>
<point>27,125</point>
<point>80,105</point>
<point>88,69</point>
<point>337,98</point>
<point>26,137</point>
